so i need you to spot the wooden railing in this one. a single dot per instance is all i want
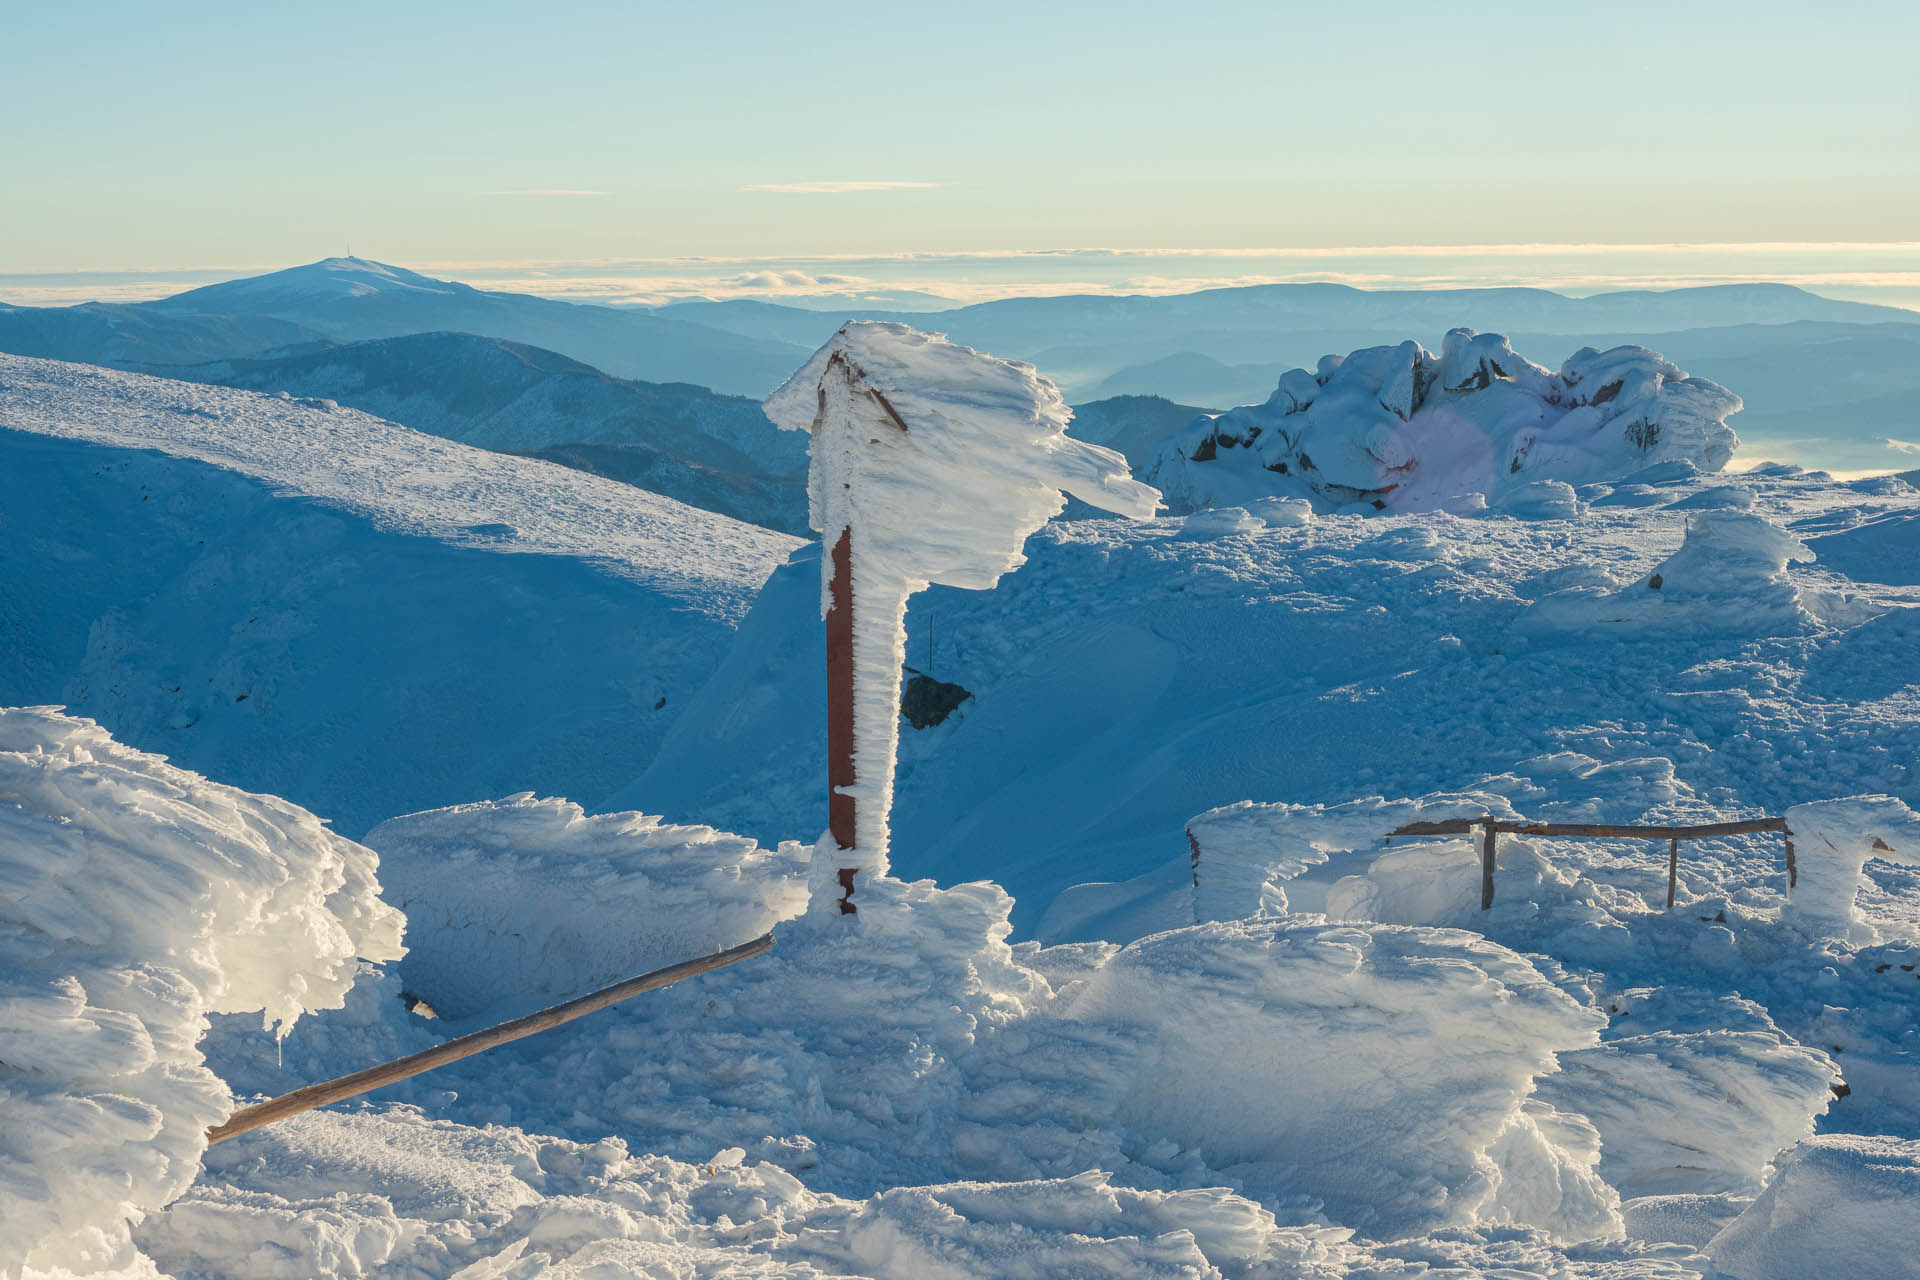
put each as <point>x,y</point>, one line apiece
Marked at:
<point>1491,828</point>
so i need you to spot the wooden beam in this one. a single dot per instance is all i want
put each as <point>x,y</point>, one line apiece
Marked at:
<point>1461,826</point>
<point>1749,826</point>
<point>319,1095</point>
<point>1673,866</point>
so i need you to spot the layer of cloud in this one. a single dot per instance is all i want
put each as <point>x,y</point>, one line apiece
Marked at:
<point>835,188</point>
<point>1884,273</point>
<point>547,191</point>
<point>1904,446</point>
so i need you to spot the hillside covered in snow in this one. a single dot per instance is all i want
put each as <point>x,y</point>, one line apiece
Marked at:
<point>301,599</point>
<point>711,451</point>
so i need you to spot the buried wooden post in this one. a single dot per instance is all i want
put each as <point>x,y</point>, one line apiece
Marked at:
<point>1793,872</point>
<point>1673,865</point>
<point>1486,864</point>
<point>351,1086</point>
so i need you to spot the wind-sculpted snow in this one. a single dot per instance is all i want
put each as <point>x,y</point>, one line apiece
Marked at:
<point>1696,1112</point>
<point>349,1196</point>
<point>1837,1206</point>
<point>910,1043</point>
<point>1336,1061</point>
<point>1130,676</point>
<point>531,901</point>
<point>1402,429</point>
<point>1730,574</point>
<point>135,899</point>
<point>1834,839</point>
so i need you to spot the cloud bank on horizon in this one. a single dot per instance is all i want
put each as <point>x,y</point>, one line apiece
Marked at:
<point>1887,273</point>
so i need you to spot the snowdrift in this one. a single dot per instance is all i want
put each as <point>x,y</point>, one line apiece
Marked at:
<point>911,1044</point>
<point>1839,1205</point>
<point>1380,1070</point>
<point>530,902</point>
<point>136,899</point>
<point>426,1198</point>
<point>1130,676</point>
<point>1729,576</point>
<point>1403,429</point>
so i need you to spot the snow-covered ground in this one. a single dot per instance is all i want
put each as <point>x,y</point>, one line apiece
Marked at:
<point>1307,1055</point>
<point>304,600</point>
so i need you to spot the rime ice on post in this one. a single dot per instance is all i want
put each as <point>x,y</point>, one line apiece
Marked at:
<point>932,463</point>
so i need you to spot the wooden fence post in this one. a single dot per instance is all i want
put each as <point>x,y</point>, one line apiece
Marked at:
<point>841,814</point>
<point>1486,865</point>
<point>1673,865</point>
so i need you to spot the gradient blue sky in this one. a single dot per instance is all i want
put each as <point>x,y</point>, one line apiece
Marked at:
<point>244,136</point>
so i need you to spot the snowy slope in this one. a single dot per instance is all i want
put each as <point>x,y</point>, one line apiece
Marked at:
<point>367,620</point>
<point>351,299</point>
<point>711,451</point>
<point>122,334</point>
<point>1128,678</point>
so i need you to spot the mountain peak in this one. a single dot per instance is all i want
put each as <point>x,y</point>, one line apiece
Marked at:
<point>327,280</point>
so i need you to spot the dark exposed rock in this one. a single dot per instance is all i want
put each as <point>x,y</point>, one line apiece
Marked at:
<point>926,702</point>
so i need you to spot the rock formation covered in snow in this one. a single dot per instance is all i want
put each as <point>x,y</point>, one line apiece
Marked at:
<point>1403,429</point>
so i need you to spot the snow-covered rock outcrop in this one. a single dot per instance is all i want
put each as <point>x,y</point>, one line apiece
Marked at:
<point>1402,429</point>
<point>135,899</point>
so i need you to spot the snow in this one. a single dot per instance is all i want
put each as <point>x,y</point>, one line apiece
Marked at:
<point>356,617</point>
<point>619,895</point>
<point>1402,428</point>
<point>1319,1058</point>
<point>135,899</point>
<point>939,462</point>
<point>1838,1206</point>
<point>1128,678</point>
<point>404,481</point>
<point>1388,1113</point>
<point>1833,840</point>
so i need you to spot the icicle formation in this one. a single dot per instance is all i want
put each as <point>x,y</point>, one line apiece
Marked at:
<point>939,462</point>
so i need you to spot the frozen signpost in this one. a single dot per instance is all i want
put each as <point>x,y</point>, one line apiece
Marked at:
<point>930,463</point>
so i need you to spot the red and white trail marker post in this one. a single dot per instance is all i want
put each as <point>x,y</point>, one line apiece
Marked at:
<point>931,463</point>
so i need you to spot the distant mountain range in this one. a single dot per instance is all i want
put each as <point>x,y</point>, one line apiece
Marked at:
<point>1825,382</point>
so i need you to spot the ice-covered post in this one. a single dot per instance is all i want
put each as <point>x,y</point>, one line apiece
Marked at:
<point>931,463</point>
